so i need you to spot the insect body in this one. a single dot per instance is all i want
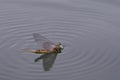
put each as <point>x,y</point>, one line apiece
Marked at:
<point>55,50</point>
<point>49,51</point>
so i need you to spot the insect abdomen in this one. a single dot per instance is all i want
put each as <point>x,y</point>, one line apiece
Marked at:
<point>41,51</point>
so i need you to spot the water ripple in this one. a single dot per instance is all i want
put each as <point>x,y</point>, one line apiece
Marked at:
<point>91,43</point>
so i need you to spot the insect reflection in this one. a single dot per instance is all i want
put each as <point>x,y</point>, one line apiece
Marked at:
<point>49,51</point>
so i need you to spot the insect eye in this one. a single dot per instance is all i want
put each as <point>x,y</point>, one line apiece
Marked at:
<point>61,46</point>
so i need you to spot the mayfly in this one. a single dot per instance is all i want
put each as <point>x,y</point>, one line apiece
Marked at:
<point>49,51</point>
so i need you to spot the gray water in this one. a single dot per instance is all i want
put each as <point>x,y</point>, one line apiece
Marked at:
<point>89,29</point>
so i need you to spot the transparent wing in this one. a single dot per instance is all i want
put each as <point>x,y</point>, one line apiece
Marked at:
<point>43,42</point>
<point>39,58</point>
<point>48,61</point>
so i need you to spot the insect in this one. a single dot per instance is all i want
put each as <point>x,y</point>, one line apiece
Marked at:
<point>49,51</point>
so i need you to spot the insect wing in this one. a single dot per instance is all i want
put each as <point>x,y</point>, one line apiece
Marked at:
<point>40,57</point>
<point>48,61</point>
<point>49,46</point>
<point>42,41</point>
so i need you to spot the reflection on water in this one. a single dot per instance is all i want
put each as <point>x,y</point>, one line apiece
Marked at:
<point>88,29</point>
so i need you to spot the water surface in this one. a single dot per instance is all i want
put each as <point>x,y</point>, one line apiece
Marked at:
<point>89,29</point>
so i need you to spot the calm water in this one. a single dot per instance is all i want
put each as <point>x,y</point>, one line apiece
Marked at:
<point>89,29</point>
